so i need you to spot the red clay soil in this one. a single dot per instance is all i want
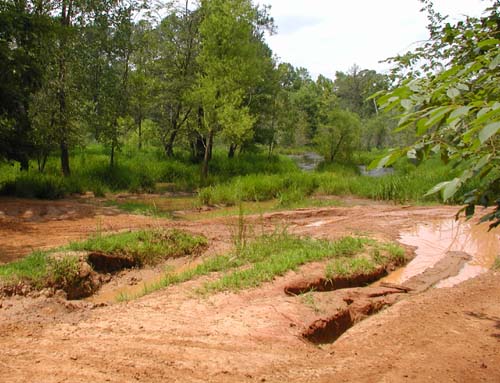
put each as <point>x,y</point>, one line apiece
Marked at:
<point>175,335</point>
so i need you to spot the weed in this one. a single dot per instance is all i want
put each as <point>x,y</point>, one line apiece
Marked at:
<point>63,271</point>
<point>308,300</point>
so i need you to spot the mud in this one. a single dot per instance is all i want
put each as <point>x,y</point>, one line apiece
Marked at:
<point>442,335</point>
<point>328,330</point>
<point>434,240</point>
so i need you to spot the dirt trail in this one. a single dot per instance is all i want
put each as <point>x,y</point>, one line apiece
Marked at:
<point>174,335</point>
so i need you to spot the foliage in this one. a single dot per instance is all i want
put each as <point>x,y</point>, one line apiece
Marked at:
<point>451,99</point>
<point>339,135</point>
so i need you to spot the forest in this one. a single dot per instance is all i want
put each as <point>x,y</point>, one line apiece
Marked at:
<point>117,77</point>
<point>93,93</point>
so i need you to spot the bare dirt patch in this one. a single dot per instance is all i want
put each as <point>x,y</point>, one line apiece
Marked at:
<point>445,335</point>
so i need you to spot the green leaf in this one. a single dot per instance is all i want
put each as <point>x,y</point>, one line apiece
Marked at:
<point>407,104</point>
<point>385,161</point>
<point>437,115</point>
<point>459,112</point>
<point>453,93</point>
<point>451,188</point>
<point>436,188</point>
<point>488,42</point>
<point>422,126</point>
<point>489,131</point>
<point>495,62</point>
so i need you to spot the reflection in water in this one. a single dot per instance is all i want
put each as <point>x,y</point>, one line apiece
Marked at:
<point>307,162</point>
<point>434,240</point>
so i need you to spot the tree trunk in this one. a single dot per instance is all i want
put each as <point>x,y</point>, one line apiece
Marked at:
<point>112,155</point>
<point>232,150</point>
<point>139,132</point>
<point>207,156</point>
<point>24,163</point>
<point>169,147</point>
<point>65,158</point>
<point>66,13</point>
<point>334,153</point>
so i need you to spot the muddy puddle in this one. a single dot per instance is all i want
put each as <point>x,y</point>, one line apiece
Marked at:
<point>433,241</point>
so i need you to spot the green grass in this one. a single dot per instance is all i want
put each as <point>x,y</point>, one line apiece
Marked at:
<point>39,269</point>
<point>379,255</point>
<point>141,208</point>
<point>145,246</point>
<point>260,261</point>
<point>345,267</point>
<point>134,171</point>
<point>31,268</point>
<point>408,184</point>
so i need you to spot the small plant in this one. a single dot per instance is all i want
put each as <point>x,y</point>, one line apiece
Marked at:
<point>308,300</point>
<point>63,271</point>
<point>32,268</point>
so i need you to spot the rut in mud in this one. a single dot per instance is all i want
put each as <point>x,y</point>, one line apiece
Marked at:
<point>321,283</point>
<point>364,302</point>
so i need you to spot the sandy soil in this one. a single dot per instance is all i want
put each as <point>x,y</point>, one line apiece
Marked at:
<point>174,335</point>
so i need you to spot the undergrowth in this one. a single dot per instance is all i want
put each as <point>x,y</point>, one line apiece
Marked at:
<point>134,171</point>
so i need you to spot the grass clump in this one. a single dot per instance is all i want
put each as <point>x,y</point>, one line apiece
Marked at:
<point>32,268</point>
<point>260,261</point>
<point>145,246</point>
<point>380,255</point>
<point>273,255</point>
<point>141,208</point>
<point>346,267</point>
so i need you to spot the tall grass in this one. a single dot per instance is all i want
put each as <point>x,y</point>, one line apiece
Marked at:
<point>408,184</point>
<point>134,170</point>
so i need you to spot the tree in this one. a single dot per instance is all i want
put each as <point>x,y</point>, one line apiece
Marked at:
<point>354,88</point>
<point>338,136</point>
<point>452,99</point>
<point>174,70</point>
<point>22,44</point>
<point>230,34</point>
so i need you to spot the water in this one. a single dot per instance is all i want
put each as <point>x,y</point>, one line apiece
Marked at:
<point>308,161</point>
<point>434,240</point>
<point>379,172</point>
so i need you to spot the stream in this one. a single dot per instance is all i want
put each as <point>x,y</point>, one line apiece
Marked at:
<point>434,240</point>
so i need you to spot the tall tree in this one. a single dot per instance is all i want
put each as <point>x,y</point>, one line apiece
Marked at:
<point>230,32</point>
<point>175,68</point>
<point>23,27</point>
<point>354,88</point>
